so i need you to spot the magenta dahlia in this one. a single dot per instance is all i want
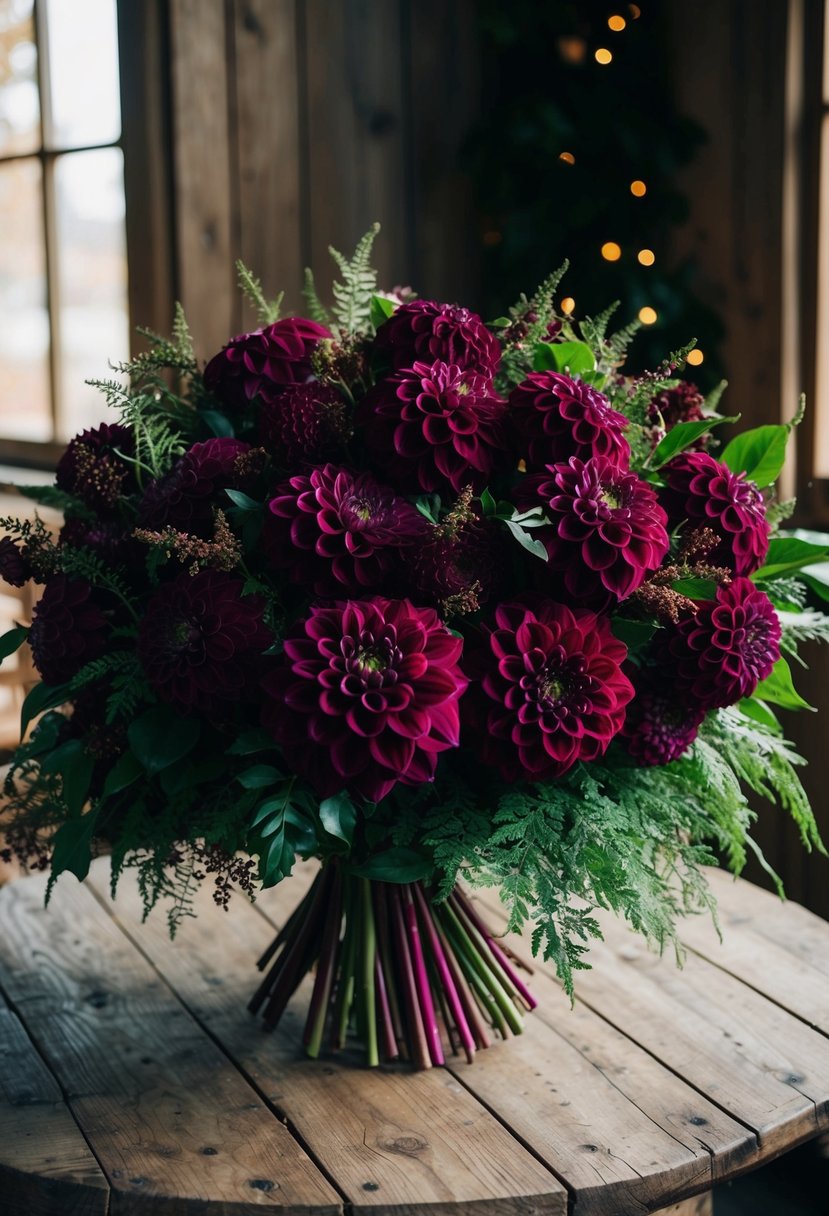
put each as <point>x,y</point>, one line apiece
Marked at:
<point>424,331</point>
<point>201,639</point>
<point>661,723</point>
<point>704,491</point>
<point>14,568</point>
<point>460,569</point>
<point>306,424</point>
<point>366,696</point>
<point>262,363</point>
<point>185,497</point>
<point>548,690</point>
<point>94,469</point>
<point>436,427</point>
<point>556,417</point>
<point>69,629</point>
<point>339,531</point>
<point>607,528</point>
<point>728,647</point>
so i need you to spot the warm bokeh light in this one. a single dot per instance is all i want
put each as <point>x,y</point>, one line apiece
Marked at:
<point>695,357</point>
<point>572,49</point>
<point>567,305</point>
<point>492,237</point>
<point>602,55</point>
<point>568,157</point>
<point>646,257</point>
<point>611,252</point>
<point>635,11</point>
<point>638,188</point>
<point>647,315</point>
<point>617,23</point>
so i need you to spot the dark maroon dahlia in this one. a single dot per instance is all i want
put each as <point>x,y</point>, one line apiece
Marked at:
<point>366,696</point>
<point>704,491</point>
<point>730,645</point>
<point>338,531</point>
<point>556,417</point>
<point>607,528</point>
<point>201,640</point>
<point>424,331</point>
<point>14,568</point>
<point>106,538</point>
<point>185,497</point>
<point>683,403</point>
<point>69,629</point>
<point>435,427</point>
<point>461,569</point>
<point>262,363</point>
<point>93,467</point>
<point>306,424</point>
<point>661,722</point>
<point>548,690</point>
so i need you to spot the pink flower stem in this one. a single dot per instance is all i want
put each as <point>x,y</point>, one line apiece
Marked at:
<point>389,1041</point>
<point>485,965</point>
<point>445,976</point>
<point>382,918</point>
<point>468,1000</point>
<point>424,991</point>
<point>318,1008</point>
<point>512,975</point>
<point>416,1037</point>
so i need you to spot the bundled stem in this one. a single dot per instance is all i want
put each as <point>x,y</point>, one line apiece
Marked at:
<point>414,979</point>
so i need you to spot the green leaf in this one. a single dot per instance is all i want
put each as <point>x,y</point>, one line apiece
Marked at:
<point>259,776</point>
<point>218,423</point>
<point>759,453</point>
<point>265,811</point>
<point>339,817</point>
<point>254,740</point>
<point>681,436</point>
<point>488,504</point>
<point>380,309</point>
<point>428,505</point>
<point>634,634</point>
<point>74,767</point>
<point>696,588</point>
<point>396,865</point>
<point>72,846</point>
<point>572,357</point>
<point>40,698</point>
<point>12,641</point>
<point>758,711</point>
<point>817,578</point>
<point>530,543</point>
<point>789,553</point>
<point>127,768</point>
<point>243,501</point>
<point>160,737</point>
<point>779,689</point>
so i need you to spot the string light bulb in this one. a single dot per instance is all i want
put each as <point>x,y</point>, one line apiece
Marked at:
<point>611,252</point>
<point>635,11</point>
<point>695,357</point>
<point>638,188</point>
<point>647,315</point>
<point>617,23</point>
<point>567,305</point>
<point>602,55</point>
<point>567,157</point>
<point>646,257</point>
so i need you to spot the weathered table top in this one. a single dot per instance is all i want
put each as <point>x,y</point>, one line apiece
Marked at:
<point>133,1081</point>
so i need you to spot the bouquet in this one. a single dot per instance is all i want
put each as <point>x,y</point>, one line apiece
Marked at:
<point>425,599</point>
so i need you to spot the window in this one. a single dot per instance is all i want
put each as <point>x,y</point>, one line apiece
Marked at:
<point>63,288</point>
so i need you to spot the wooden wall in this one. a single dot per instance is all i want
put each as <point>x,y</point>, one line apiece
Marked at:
<point>294,124</point>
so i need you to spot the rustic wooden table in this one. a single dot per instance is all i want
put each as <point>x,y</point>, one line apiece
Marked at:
<point>132,1080</point>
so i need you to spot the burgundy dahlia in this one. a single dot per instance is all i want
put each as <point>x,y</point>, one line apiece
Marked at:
<point>548,690</point>
<point>556,417</point>
<point>201,639</point>
<point>460,569</point>
<point>704,491</point>
<point>436,427</point>
<point>93,467</point>
<point>14,569</point>
<point>366,696</point>
<point>682,403</point>
<point>728,647</point>
<point>425,332</point>
<point>338,531</point>
<point>607,528</point>
<point>69,629</point>
<point>185,497</point>
<point>661,723</point>
<point>262,363</point>
<point>306,424</point>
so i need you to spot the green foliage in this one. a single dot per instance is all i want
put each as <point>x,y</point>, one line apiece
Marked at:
<point>353,293</point>
<point>316,309</point>
<point>680,437</point>
<point>267,311</point>
<point>759,453</point>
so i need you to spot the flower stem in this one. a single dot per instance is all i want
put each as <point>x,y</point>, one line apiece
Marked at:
<point>447,983</point>
<point>369,954</point>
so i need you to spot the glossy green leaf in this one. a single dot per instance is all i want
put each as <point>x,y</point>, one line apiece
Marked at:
<point>259,777</point>
<point>39,699</point>
<point>778,688</point>
<point>633,633</point>
<point>339,817</point>
<point>12,641</point>
<point>695,588</point>
<point>248,741</point>
<point>395,865</point>
<point>530,543</point>
<point>572,357</point>
<point>160,737</point>
<point>243,501</point>
<point>380,309</point>
<point>218,423</point>
<point>127,768</point>
<point>681,436</point>
<point>759,453</point>
<point>758,711</point>
<point>72,846</point>
<point>788,553</point>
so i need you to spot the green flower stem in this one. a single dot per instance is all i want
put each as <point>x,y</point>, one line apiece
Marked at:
<point>326,969</point>
<point>467,998</point>
<point>484,971</point>
<point>369,953</point>
<point>382,920</point>
<point>346,984</point>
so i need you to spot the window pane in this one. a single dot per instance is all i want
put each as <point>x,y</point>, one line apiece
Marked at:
<point>24,332</point>
<point>19,104</point>
<point>83,72</point>
<point>92,280</point>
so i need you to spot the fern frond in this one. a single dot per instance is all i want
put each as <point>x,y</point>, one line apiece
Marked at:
<point>316,309</point>
<point>266,310</point>
<point>352,295</point>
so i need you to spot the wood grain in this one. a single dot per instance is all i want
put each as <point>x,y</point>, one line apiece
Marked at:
<point>172,1123</point>
<point>396,1142</point>
<point>44,1159</point>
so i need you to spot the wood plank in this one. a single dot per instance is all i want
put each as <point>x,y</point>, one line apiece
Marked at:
<point>267,148</point>
<point>46,1166</point>
<point>168,1117</point>
<point>202,173</point>
<point>746,1055</point>
<point>396,1141</point>
<point>701,1205</point>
